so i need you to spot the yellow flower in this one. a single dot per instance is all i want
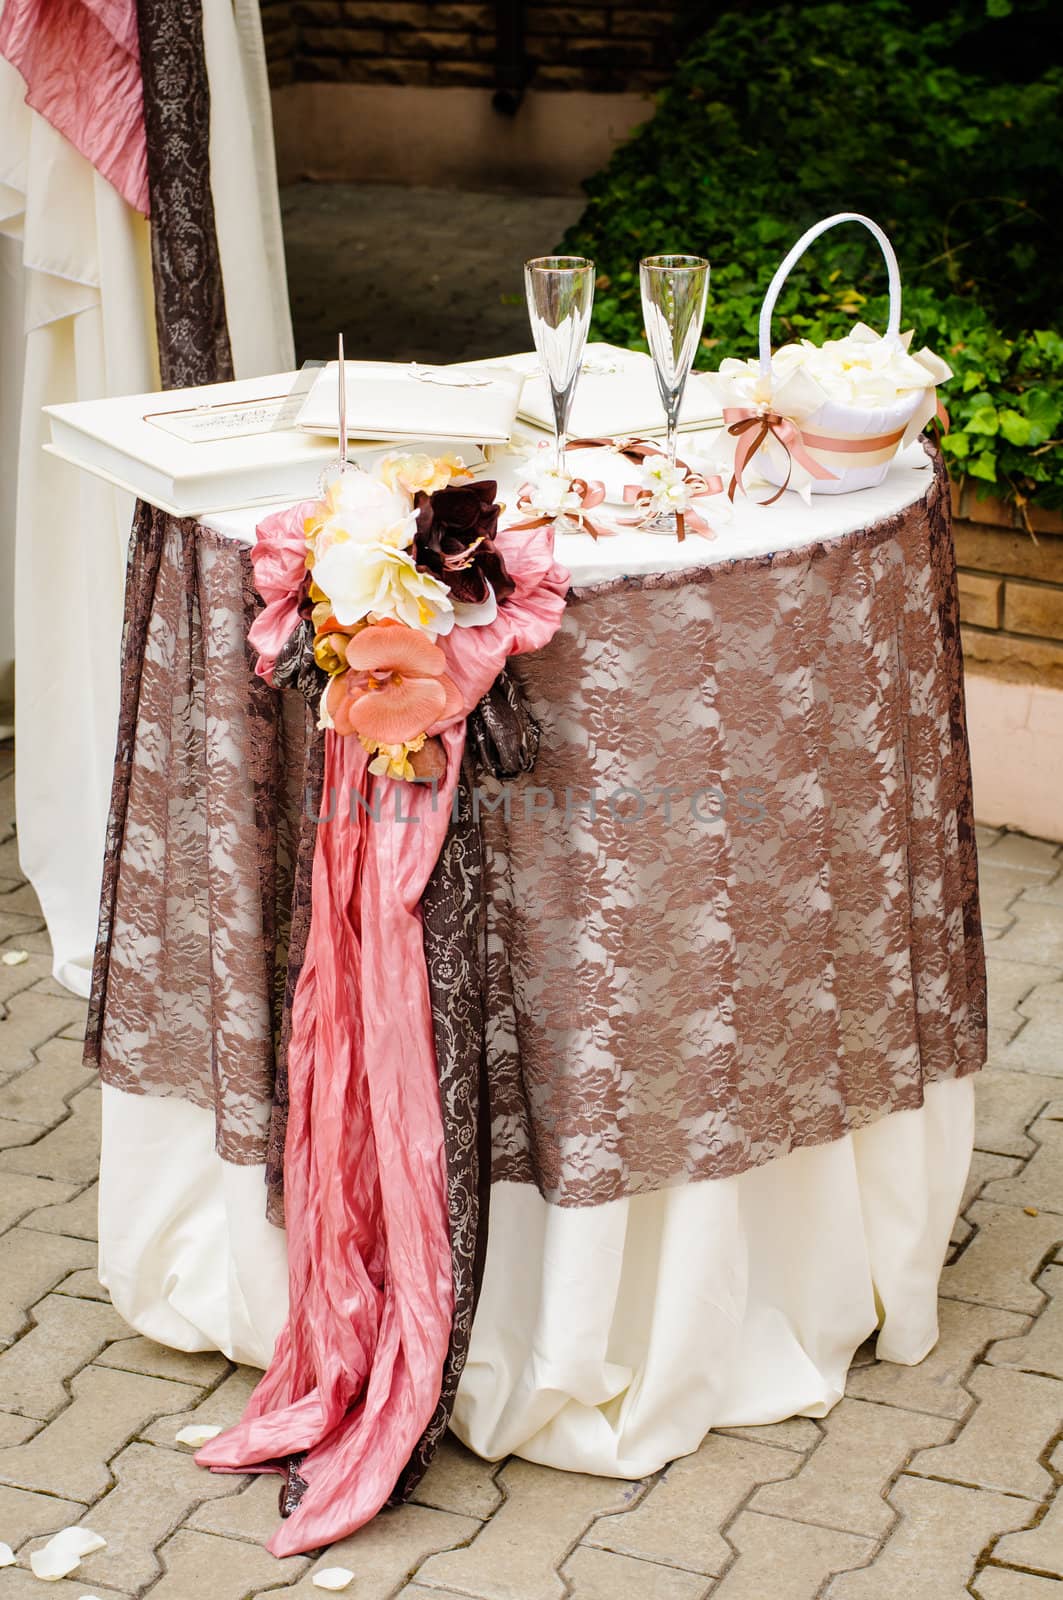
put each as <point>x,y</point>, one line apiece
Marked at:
<point>330,652</point>
<point>330,637</point>
<point>421,473</point>
<point>393,760</point>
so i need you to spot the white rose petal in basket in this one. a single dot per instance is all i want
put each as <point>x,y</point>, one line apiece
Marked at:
<point>828,419</point>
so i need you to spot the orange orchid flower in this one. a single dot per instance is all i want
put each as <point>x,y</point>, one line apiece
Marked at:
<point>395,688</point>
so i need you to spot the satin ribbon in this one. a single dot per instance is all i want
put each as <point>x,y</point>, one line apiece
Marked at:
<point>591,494</point>
<point>636,451</point>
<point>685,521</point>
<point>633,450</point>
<point>743,422</point>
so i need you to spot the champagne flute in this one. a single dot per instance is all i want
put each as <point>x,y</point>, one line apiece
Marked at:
<point>560,293</point>
<point>674,289</point>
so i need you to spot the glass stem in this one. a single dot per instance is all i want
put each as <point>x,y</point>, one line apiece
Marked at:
<point>562,445</point>
<point>672,416</point>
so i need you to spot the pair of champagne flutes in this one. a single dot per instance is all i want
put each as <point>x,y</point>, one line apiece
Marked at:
<point>560,293</point>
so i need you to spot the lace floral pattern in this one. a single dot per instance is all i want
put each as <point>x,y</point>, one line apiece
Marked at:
<point>193,344</point>
<point>186,267</point>
<point>785,944</point>
<point>453,913</point>
<point>191,985</point>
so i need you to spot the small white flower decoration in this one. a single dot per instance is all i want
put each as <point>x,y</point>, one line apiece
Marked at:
<point>549,493</point>
<point>667,485</point>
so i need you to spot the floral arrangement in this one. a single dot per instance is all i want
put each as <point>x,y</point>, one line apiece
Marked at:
<point>396,558</point>
<point>665,489</point>
<point>551,496</point>
<point>862,370</point>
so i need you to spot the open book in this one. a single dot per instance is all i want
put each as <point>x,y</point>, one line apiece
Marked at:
<point>406,401</point>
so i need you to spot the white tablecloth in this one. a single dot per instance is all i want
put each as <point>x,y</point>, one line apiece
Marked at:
<point>609,1339</point>
<point>745,528</point>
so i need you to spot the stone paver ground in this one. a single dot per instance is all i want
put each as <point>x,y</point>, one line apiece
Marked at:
<point>925,1483</point>
<point>413,273</point>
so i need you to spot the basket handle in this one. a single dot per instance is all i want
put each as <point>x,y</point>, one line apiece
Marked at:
<point>894,271</point>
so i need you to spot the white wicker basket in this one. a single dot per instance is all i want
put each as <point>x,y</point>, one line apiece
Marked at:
<point>845,427</point>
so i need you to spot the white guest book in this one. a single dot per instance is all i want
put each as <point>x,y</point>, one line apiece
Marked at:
<point>218,447</point>
<point>616,396</point>
<point>405,401</point>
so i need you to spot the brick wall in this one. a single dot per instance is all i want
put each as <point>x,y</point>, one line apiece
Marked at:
<point>1011,587</point>
<point>570,44</point>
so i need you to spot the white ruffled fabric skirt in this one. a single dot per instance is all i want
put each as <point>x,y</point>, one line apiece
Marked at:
<point>607,1340</point>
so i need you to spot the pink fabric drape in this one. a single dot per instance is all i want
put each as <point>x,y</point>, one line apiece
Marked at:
<point>279,562</point>
<point>356,1373</point>
<point>81,63</point>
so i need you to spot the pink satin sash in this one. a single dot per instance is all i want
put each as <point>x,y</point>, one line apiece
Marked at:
<point>355,1375</point>
<point>81,63</point>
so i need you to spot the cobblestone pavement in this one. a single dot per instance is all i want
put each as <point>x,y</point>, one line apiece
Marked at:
<point>924,1483</point>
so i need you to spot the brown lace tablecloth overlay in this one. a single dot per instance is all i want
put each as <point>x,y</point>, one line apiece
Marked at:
<point>766,935</point>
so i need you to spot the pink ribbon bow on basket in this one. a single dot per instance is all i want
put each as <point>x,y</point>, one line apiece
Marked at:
<point>750,428</point>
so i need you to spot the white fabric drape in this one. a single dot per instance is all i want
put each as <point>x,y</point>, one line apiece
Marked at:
<point>610,1340</point>
<point>87,330</point>
<point>185,1249</point>
<point>607,1340</point>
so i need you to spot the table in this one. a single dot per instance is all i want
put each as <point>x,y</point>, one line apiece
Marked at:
<point>729,1050</point>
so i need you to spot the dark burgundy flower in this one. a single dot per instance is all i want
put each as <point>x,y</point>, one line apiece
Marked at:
<point>455,541</point>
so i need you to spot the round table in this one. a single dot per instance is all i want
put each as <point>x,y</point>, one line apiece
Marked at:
<point>735,979</point>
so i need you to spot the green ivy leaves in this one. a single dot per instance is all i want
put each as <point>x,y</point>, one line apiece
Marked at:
<point>781,114</point>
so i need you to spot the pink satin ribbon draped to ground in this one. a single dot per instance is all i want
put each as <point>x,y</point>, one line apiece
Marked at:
<point>81,63</point>
<point>356,1372</point>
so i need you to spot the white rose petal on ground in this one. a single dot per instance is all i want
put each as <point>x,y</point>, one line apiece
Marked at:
<point>332,1578</point>
<point>196,1434</point>
<point>14,958</point>
<point>7,1556</point>
<point>59,1557</point>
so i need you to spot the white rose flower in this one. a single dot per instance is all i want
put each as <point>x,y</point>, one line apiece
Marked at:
<point>360,579</point>
<point>361,508</point>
